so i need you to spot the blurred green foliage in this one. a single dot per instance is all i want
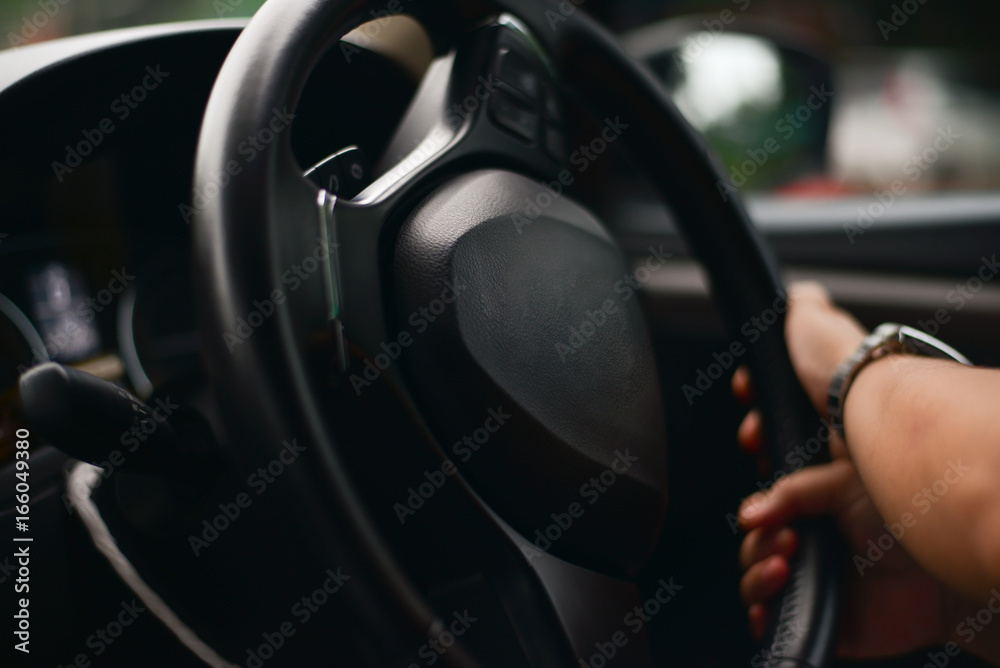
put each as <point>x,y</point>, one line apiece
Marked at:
<point>38,20</point>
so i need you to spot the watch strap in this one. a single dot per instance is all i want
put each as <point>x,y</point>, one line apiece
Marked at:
<point>885,339</point>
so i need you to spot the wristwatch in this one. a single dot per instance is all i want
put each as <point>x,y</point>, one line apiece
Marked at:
<point>885,339</point>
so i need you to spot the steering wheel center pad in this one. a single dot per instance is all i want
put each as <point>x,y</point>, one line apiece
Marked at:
<point>545,326</point>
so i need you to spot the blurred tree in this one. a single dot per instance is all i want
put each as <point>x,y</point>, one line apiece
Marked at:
<point>29,21</point>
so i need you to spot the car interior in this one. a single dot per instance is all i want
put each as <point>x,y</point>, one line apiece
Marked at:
<point>367,333</point>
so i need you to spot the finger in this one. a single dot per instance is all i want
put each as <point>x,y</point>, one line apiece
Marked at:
<point>767,542</point>
<point>764,579</point>
<point>809,291</point>
<point>812,491</point>
<point>742,387</point>
<point>758,620</point>
<point>750,434</point>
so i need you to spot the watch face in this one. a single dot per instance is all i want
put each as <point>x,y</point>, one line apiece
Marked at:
<point>919,342</point>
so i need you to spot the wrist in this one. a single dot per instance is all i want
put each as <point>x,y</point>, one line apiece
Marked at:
<point>837,358</point>
<point>873,388</point>
<point>888,341</point>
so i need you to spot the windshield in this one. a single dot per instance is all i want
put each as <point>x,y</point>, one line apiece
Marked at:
<point>916,97</point>
<point>914,103</point>
<point>30,21</point>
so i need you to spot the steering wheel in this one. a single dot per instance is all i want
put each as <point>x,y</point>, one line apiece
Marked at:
<point>480,303</point>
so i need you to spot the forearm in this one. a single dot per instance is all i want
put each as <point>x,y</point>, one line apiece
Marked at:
<point>925,436</point>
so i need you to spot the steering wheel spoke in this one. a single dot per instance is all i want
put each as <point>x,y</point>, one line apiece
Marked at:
<point>532,608</point>
<point>553,612</point>
<point>492,99</point>
<point>600,615</point>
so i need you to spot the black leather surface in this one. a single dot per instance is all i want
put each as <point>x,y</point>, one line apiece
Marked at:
<point>538,328</point>
<point>240,253</point>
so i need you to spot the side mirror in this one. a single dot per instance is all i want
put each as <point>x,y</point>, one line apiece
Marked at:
<point>760,97</point>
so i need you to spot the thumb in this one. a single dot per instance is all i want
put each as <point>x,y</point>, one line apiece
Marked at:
<point>814,490</point>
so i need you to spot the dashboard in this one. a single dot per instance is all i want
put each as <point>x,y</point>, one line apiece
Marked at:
<point>100,134</point>
<point>95,186</point>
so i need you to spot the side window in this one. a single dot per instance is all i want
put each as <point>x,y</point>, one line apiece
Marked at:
<point>831,97</point>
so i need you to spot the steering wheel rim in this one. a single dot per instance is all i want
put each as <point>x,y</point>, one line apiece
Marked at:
<point>241,251</point>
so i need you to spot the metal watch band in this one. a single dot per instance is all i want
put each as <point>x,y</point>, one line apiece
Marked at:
<point>885,339</point>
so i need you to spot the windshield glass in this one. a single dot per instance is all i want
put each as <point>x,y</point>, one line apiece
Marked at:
<point>914,101</point>
<point>915,94</point>
<point>29,21</point>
